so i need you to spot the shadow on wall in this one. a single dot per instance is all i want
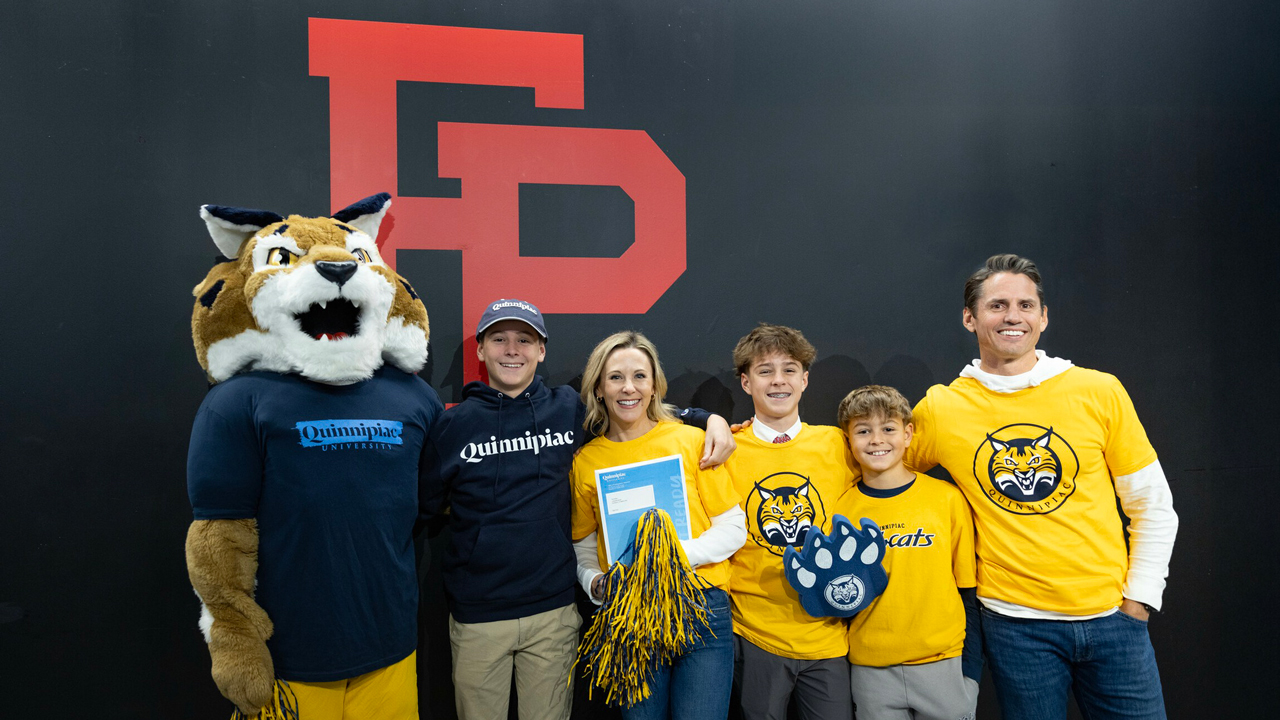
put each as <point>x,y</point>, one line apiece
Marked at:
<point>830,379</point>
<point>909,375</point>
<point>717,393</point>
<point>451,377</point>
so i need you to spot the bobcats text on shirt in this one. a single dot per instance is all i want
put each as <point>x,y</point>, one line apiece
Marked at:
<point>928,534</point>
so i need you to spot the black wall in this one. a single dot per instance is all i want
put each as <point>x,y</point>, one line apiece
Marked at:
<point>847,164</point>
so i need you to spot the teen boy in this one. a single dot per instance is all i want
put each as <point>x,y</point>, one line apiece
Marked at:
<point>502,456</point>
<point>789,474</point>
<point>1043,449</point>
<point>906,646</point>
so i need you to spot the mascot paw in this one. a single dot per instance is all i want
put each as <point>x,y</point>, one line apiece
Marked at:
<point>242,668</point>
<point>840,574</point>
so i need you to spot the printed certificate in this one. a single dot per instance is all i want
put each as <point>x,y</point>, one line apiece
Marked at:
<point>626,491</point>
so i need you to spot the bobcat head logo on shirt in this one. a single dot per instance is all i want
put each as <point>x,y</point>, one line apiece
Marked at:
<point>1026,469</point>
<point>786,506</point>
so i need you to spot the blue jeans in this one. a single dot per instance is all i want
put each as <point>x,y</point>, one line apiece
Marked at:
<point>696,686</point>
<point>1108,663</point>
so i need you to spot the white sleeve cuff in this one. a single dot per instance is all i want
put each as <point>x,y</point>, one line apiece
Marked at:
<point>727,533</point>
<point>588,563</point>
<point>1153,526</point>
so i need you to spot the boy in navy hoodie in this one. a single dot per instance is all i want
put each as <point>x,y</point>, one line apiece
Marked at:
<point>502,457</point>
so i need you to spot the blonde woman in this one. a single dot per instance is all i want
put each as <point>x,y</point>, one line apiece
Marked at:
<point>623,387</point>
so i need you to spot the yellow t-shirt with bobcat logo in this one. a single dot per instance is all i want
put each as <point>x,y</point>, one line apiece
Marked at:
<point>785,489</point>
<point>1036,466</point>
<point>710,492</point>
<point>928,532</point>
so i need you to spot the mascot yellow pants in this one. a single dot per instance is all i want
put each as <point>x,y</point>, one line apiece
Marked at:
<point>390,693</point>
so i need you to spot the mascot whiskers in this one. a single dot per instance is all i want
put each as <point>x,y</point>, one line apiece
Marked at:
<point>303,465</point>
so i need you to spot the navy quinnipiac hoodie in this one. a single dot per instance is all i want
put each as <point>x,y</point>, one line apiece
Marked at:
<point>503,465</point>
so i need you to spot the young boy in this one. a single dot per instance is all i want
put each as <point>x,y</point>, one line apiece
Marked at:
<point>500,459</point>
<point>915,649</point>
<point>789,475</point>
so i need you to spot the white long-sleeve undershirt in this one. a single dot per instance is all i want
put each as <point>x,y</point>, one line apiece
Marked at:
<point>1153,526</point>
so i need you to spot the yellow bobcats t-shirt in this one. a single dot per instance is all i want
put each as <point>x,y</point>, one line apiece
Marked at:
<point>928,532</point>
<point>1037,468</point>
<point>710,492</point>
<point>786,488</point>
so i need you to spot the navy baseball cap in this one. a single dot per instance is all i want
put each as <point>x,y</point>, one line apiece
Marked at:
<point>500,310</point>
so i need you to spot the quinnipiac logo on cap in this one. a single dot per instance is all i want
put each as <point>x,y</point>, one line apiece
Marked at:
<point>350,434</point>
<point>515,304</point>
<point>1026,469</point>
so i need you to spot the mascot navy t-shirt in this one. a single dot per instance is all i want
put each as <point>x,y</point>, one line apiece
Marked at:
<point>331,474</point>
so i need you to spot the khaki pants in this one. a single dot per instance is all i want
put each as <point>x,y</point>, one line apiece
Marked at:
<point>540,648</point>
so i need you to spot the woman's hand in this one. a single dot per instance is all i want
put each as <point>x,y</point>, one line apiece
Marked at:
<point>597,587</point>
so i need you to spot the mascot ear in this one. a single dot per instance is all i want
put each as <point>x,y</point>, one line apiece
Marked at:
<point>230,227</point>
<point>366,215</point>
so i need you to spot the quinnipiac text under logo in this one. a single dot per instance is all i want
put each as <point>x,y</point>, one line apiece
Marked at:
<point>350,434</point>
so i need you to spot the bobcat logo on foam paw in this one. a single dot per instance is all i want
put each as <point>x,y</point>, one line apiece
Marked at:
<point>840,574</point>
<point>1026,469</point>
<point>785,506</point>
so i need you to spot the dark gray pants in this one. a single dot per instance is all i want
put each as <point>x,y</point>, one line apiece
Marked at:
<point>764,684</point>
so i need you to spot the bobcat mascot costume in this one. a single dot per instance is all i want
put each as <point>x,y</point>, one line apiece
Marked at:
<point>303,465</point>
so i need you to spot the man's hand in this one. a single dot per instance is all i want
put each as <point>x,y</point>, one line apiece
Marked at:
<point>719,444</point>
<point>597,587</point>
<point>1135,609</point>
<point>736,427</point>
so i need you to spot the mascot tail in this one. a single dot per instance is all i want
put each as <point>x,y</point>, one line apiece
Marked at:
<point>653,611</point>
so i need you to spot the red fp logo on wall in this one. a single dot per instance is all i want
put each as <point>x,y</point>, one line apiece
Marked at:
<point>365,60</point>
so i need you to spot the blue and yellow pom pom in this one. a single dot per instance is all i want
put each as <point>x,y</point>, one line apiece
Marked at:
<point>653,611</point>
<point>283,705</point>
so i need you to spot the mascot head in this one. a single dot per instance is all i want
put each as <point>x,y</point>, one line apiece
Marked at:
<point>305,295</point>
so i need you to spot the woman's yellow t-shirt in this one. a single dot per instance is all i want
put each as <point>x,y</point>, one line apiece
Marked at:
<point>710,492</point>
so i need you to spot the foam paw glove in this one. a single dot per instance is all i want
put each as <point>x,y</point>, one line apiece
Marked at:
<point>840,574</point>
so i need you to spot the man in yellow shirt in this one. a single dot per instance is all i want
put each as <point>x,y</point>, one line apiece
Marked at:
<point>1042,450</point>
<point>788,474</point>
